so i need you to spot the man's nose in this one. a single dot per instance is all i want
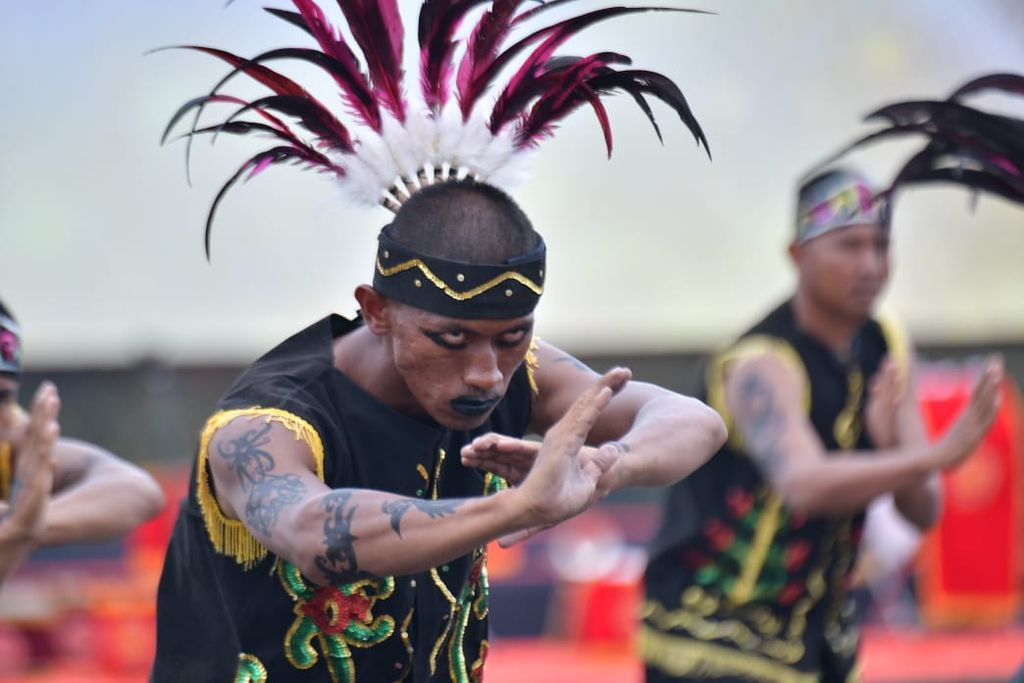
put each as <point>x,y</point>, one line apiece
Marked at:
<point>482,371</point>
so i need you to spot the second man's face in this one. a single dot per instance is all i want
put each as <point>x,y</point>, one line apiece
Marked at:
<point>847,268</point>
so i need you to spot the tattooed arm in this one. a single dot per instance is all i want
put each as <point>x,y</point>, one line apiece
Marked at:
<point>96,495</point>
<point>765,398</point>
<point>661,436</point>
<point>266,478</point>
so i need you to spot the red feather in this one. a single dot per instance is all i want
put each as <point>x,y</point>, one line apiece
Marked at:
<point>329,131</point>
<point>567,92</point>
<point>553,37</point>
<point>355,87</point>
<point>256,164</point>
<point>638,82</point>
<point>377,28</point>
<point>481,49</point>
<point>553,84</point>
<point>438,22</point>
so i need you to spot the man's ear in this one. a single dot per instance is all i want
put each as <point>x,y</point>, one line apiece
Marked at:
<point>795,253</point>
<point>375,309</point>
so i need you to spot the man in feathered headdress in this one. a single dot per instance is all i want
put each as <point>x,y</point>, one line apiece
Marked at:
<point>57,491</point>
<point>344,494</point>
<point>747,578</point>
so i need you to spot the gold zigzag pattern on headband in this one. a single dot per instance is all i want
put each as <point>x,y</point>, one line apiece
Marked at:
<point>459,296</point>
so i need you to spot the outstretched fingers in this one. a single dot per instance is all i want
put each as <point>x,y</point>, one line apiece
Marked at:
<point>33,474</point>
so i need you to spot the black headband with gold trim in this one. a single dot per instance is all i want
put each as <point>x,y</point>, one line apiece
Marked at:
<point>456,289</point>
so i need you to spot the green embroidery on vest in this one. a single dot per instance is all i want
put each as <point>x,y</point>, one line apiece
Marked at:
<point>476,586</point>
<point>337,618</point>
<point>250,670</point>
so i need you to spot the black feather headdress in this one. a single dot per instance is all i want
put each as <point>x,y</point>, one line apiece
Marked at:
<point>965,145</point>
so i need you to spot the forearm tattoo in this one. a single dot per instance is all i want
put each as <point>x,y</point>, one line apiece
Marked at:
<point>434,508</point>
<point>578,364</point>
<point>338,563</point>
<point>268,493</point>
<point>761,421</point>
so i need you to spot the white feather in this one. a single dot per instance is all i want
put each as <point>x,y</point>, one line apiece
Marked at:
<point>472,151</point>
<point>422,130</point>
<point>370,170</point>
<point>514,172</point>
<point>450,130</point>
<point>399,143</point>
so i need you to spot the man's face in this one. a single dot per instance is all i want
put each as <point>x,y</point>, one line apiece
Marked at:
<point>845,270</point>
<point>457,370</point>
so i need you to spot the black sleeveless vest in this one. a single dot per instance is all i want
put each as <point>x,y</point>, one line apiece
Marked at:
<point>737,586</point>
<point>227,610</point>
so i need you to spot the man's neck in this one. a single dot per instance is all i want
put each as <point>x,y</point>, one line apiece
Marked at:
<point>835,331</point>
<point>366,360</point>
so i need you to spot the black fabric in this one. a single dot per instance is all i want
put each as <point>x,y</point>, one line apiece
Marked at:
<point>450,291</point>
<point>210,610</point>
<point>710,528</point>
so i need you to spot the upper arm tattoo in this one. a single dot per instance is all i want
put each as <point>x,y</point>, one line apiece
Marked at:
<point>267,492</point>
<point>577,363</point>
<point>435,509</point>
<point>338,562</point>
<point>761,420</point>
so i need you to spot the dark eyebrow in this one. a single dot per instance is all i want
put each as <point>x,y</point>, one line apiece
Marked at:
<point>521,327</point>
<point>449,327</point>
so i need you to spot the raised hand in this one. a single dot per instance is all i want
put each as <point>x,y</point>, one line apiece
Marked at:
<point>33,479</point>
<point>562,482</point>
<point>976,418</point>
<point>885,396</point>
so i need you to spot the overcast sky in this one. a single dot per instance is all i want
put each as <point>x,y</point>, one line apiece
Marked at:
<point>657,249</point>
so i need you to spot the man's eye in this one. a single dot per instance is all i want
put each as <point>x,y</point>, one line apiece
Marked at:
<point>512,338</point>
<point>449,340</point>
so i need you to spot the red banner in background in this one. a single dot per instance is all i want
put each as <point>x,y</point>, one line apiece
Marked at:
<point>970,567</point>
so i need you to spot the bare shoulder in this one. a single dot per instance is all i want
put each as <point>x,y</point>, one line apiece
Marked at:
<point>250,443</point>
<point>559,378</point>
<point>554,365</point>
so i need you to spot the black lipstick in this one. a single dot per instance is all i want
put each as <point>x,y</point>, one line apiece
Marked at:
<point>472,406</point>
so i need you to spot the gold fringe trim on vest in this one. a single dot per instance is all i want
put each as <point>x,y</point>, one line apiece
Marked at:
<point>229,536</point>
<point>5,471</point>
<point>532,363</point>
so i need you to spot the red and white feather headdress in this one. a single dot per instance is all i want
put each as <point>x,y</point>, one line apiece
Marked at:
<point>393,144</point>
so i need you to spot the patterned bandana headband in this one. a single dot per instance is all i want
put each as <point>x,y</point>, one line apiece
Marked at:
<point>977,149</point>
<point>10,346</point>
<point>390,146</point>
<point>835,200</point>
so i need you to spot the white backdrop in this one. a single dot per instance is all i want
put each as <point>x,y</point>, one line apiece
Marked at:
<point>656,250</point>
